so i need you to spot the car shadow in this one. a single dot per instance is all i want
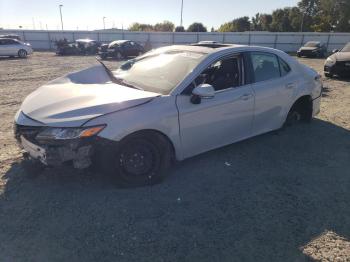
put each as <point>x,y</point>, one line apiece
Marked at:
<point>4,58</point>
<point>262,199</point>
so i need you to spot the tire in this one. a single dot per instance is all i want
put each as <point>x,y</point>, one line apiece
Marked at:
<point>329,75</point>
<point>119,56</point>
<point>142,159</point>
<point>103,56</point>
<point>299,113</point>
<point>22,53</point>
<point>299,55</point>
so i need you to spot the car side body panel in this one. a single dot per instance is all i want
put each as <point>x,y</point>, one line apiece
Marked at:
<point>144,117</point>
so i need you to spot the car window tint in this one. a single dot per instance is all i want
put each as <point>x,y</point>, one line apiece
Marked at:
<point>284,67</point>
<point>222,74</point>
<point>265,66</point>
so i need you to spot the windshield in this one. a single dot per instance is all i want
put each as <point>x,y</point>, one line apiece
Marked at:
<point>159,73</point>
<point>312,44</point>
<point>346,48</point>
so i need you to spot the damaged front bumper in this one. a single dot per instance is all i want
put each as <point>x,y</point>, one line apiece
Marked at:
<point>79,152</point>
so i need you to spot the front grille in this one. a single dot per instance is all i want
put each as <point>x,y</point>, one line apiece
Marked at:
<point>28,132</point>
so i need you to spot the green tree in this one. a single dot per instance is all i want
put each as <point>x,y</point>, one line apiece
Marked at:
<point>166,26</point>
<point>140,27</point>
<point>197,27</point>
<point>237,25</point>
<point>280,20</point>
<point>261,22</point>
<point>179,29</point>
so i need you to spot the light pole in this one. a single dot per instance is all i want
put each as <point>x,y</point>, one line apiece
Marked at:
<point>182,9</point>
<point>61,16</point>
<point>104,23</point>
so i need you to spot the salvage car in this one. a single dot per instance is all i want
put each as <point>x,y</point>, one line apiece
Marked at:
<point>171,103</point>
<point>338,63</point>
<point>79,47</point>
<point>13,47</point>
<point>121,49</point>
<point>313,49</point>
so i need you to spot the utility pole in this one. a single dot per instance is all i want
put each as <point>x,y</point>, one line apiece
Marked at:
<point>182,9</point>
<point>104,23</point>
<point>61,16</point>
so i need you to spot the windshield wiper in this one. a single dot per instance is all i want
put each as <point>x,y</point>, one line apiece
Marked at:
<point>114,79</point>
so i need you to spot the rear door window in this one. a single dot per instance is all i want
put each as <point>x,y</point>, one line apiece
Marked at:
<point>265,66</point>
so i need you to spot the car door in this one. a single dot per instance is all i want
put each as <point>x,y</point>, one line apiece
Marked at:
<point>133,49</point>
<point>126,49</point>
<point>274,86</point>
<point>2,47</point>
<point>218,121</point>
<point>12,46</point>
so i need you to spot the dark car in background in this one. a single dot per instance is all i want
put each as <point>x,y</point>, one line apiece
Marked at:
<point>121,49</point>
<point>11,36</point>
<point>79,47</point>
<point>338,63</point>
<point>312,49</point>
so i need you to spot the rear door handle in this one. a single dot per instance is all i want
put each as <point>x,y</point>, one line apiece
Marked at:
<point>246,97</point>
<point>290,85</point>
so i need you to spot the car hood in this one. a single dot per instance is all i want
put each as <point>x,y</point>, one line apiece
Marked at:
<point>304,48</point>
<point>72,100</point>
<point>341,56</point>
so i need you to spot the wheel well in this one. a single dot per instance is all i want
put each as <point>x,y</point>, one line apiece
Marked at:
<point>304,106</point>
<point>155,133</point>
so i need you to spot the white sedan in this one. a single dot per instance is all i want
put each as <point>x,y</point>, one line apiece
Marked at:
<point>171,103</point>
<point>14,47</point>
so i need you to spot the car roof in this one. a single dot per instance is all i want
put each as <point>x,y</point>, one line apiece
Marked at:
<point>313,42</point>
<point>3,38</point>
<point>212,50</point>
<point>119,42</point>
<point>85,40</point>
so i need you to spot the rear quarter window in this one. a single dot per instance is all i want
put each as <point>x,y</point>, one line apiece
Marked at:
<point>284,67</point>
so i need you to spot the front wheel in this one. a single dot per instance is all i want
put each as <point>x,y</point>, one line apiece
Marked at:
<point>119,56</point>
<point>329,75</point>
<point>22,53</point>
<point>142,159</point>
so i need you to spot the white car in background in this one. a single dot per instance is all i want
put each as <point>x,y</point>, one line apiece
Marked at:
<point>170,103</point>
<point>13,47</point>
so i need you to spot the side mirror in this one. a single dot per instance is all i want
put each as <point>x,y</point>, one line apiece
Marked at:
<point>203,91</point>
<point>335,51</point>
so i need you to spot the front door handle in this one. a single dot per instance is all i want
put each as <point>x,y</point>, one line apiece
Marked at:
<point>246,97</point>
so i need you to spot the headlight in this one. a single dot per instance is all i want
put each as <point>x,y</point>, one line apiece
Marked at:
<point>52,133</point>
<point>330,61</point>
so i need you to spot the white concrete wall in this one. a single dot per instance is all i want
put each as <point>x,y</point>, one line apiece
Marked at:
<point>289,42</point>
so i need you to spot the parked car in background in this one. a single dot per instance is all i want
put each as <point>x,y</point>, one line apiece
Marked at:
<point>121,49</point>
<point>338,63</point>
<point>173,102</point>
<point>12,47</point>
<point>11,36</point>
<point>79,47</point>
<point>212,44</point>
<point>313,49</point>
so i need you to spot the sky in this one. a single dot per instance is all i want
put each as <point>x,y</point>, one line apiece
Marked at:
<point>88,14</point>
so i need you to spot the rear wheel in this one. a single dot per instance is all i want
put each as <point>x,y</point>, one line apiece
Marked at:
<point>22,53</point>
<point>142,159</point>
<point>301,111</point>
